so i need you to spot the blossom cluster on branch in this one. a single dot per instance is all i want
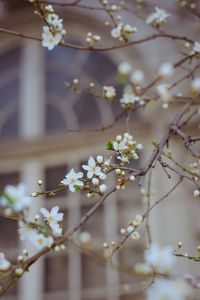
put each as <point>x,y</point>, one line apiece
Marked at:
<point>46,231</point>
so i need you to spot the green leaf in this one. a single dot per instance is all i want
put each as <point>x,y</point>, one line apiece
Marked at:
<point>66,84</point>
<point>154,143</point>
<point>11,201</point>
<point>109,145</point>
<point>196,259</point>
<point>77,188</point>
<point>43,229</point>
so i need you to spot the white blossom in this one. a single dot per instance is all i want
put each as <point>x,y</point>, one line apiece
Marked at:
<point>166,70</point>
<point>129,98</point>
<point>116,32</point>
<point>130,228</point>
<point>56,229</point>
<point>132,178</point>
<point>196,47</point>
<point>158,17</point>
<point>195,85</point>
<point>124,68</point>
<point>50,40</point>
<point>123,159</point>
<point>85,239</point>
<point>107,162</point>
<point>161,259</point>
<point>15,197</point>
<point>4,263</point>
<point>52,216</point>
<point>128,29</point>
<point>72,179</point>
<point>39,240</point>
<point>100,159</point>
<point>102,176</point>
<point>118,138</point>
<point>103,188</point>
<point>120,146</point>
<point>142,269</point>
<point>137,77</point>
<point>196,193</point>
<point>164,92</point>
<point>168,289</point>
<point>24,230</point>
<point>53,19</point>
<point>92,168</point>
<point>49,8</point>
<point>110,91</point>
<point>137,220</point>
<point>95,181</point>
<point>139,146</point>
<point>135,235</point>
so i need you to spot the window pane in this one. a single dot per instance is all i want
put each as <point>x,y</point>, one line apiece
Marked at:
<point>10,127</point>
<point>54,119</point>
<point>9,59</point>
<point>93,272</point>
<point>99,66</point>
<point>9,91</point>
<point>87,111</point>
<point>56,269</point>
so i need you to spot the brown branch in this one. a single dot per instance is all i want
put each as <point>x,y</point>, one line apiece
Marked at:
<point>147,226</point>
<point>141,172</point>
<point>176,130</point>
<point>194,138</point>
<point>121,244</point>
<point>131,43</point>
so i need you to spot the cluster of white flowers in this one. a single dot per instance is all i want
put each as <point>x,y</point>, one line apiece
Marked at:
<point>91,39</point>
<point>15,198</point>
<point>4,263</point>
<point>133,80</point>
<point>95,171</point>
<point>53,33</point>
<point>162,288</point>
<point>39,240</point>
<point>126,147</point>
<point>133,225</point>
<point>123,30</point>
<point>162,259</point>
<point>109,92</point>
<point>129,99</point>
<point>92,168</point>
<point>158,17</point>
<point>42,235</point>
<point>53,218</point>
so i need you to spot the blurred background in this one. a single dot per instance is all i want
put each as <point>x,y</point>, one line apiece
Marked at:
<point>37,113</point>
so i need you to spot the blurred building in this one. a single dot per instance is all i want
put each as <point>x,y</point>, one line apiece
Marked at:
<point>37,113</point>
